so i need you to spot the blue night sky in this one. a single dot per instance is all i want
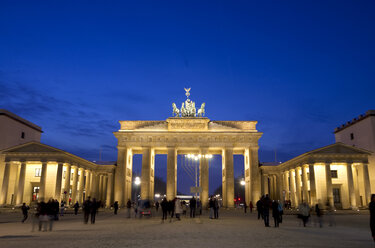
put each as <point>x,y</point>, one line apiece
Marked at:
<point>300,68</point>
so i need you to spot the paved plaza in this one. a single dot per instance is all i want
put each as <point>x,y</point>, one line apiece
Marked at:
<point>233,229</point>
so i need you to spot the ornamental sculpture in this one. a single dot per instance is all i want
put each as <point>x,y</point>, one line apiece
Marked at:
<point>188,108</point>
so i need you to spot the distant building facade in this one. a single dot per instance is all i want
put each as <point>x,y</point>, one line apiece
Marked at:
<point>15,130</point>
<point>360,132</point>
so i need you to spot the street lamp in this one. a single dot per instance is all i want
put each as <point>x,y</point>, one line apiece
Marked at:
<point>137,181</point>
<point>243,182</point>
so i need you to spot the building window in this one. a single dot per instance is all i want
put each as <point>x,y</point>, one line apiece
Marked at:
<point>334,173</point>
<point>22,135</point>
<point>351,136</point>
<point>38,172</point>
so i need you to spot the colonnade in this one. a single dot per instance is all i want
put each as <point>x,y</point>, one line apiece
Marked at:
<point>65,181</point>
<point>124,171</point>
<point>313,183</point>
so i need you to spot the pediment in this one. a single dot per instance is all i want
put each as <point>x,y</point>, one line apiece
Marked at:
<point>32,147</point>
<point>339,148</point>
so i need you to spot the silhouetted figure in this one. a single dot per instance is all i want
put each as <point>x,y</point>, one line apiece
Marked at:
<point>164,208</point>
<point>216,208</point>
<point>128,207</point>
<point>245,207</point>
<point>76,207</point>
<point>372,216</point>
<point>115,206</point>
<point>211,205</point>
<point>319,214</point>
<point>56,207</point>
<point>266,203</point>
<point>304,213</point>
<point>94,208</point>
<point>178,208</point>
<point>259,208</point>
<point>62,208</point>
<point>43,217</point>
<point>157,206</point>
<point>86,210</point>
<point>171,204</point>
<point>275,213</point>
<point>25,211</point>
<point>193,206</point>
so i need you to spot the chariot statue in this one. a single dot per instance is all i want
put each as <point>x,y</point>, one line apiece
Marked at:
<point>188,108</point>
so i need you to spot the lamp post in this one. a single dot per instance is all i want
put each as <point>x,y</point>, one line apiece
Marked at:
<point>196,158</point>
<point>137,182</point>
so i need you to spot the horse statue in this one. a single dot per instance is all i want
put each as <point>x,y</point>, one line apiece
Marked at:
<point>176,111</point>
<point>183,111</point>
<point>201,110</point>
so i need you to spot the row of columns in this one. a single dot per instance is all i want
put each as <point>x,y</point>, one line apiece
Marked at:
<point>124,171</point>
<point>96,185</point>
<point>294,183</point>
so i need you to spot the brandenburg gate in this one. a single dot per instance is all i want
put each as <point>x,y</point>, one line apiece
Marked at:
<point>185,133</point>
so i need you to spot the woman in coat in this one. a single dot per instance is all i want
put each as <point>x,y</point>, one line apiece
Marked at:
<point>178,208</point>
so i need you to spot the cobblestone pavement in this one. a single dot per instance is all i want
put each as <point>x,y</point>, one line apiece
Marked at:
<point>232,229</point>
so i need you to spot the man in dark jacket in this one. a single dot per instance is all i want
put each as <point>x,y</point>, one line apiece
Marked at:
<point>115,206</point>
<point>276,213</point>
<point>164,208</point>
<point>372,216</point>
<point>87,210</point>
<point>259,208</point>
<point>193,206</point>
<point>25,211</point>
<point>266,203</point>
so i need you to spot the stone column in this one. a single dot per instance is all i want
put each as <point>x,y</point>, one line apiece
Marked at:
<point>100,187</point>
<point>67,183</point>
<point>109,190</point>
<point>280,183</point>
<point>87,185</point>
<point>94,185</point>
<point>247,177</point>
<point>80,190</point>
<point>351,190</point>
<point>58,181</point>
<point>254,174</point>
<point>229,178</point>
<point>287,190</point>
<point>4,188</point>
<point>366,181</point>
<point>329,183</point>
<point>203,177</point>
<point>298,185</point>
<point>128,173</point>
<point>292,188</point>
<point>274,187</point>
<point>119,184</point>
<point>304,185</point>
<point>312,184</point>
<point>266,185</point>
<point>171,173</point>
<point>146,174</point>
<point>43,179</point>
<point>356,186</point>
<point>74,185</point>
<point>21,184</point>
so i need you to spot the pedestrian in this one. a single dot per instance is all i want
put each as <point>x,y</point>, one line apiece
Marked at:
<point>275,213</point>
<point>25,212</point>
<point>76,207</point>
<point>62,208</point>
<point>245,207</point>
<point>199,206</point>
<point>56,207</point>
<point>304,213</point>
<point>211,205</point>
<point>266,202</point>
<point>192,206</point>
<point>115,206</point>
<point>251,206</point>
<point>281,212</point>
<point>172,208</point>
<point>372,216</point>
<point>216,208</point>
<point>164,208</point>
<point>128,207</point>
<point>319,214</point>
<point>43,217</point>
<point>86,210</point>
<point>259,208</point>
<point>178,208</point>
<point>157,204</point>
<point>93,210</point>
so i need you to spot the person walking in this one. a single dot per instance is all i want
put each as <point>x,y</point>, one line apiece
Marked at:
<point>76,207</point>
<point>62,208</point>
<point>193,206</point>
<point>266,202</point>
<point>319,214</point>
<point>164,208</point>
<point>115,207</point>
<point>129,207</point>
<point>259,208</point>
<point>281,212</point>
<point>372,216</point>
<point>245,207</point>
<point>216,208</point>
<point>211,205</point>
<point>171,208</point>
<point>275,213</point>
<point>178,208</point>
<point>25,212</point>
<point>304,213</point>
<point>86,210</point>
<point>157,204</point>
<point>93,210</point>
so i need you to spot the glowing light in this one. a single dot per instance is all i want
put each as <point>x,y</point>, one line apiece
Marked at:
<point>196,158</point>
<point>199,156</point>
<point>243,182</point>
<point>157,195</point>
<point>137,181</point>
